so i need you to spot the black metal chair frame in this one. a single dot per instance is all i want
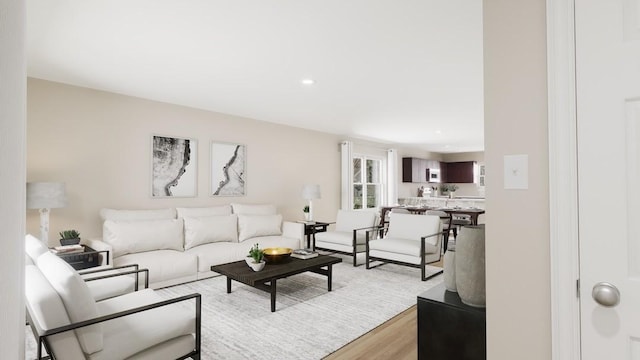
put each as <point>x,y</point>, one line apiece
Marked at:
<point>422,264</point>
<point>353,244</point>
<point>43,335</point>
<point>137,271</point>
<point>97,252</point>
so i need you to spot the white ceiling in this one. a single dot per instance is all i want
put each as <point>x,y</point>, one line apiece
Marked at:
<point>406,72</point>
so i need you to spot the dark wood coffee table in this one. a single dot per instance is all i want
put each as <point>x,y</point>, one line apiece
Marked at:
<point>267,278</point>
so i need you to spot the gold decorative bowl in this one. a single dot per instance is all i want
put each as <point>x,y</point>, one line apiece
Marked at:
<point>277,255</point>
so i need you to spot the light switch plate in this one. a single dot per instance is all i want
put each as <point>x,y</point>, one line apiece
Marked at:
<point>516,172</point>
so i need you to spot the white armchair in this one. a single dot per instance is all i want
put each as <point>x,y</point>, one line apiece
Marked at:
<point>348,236</point>
<point>68,322</point>
<point>412,240</point>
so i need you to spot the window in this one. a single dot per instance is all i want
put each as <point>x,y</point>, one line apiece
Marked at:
<point>367,182</point>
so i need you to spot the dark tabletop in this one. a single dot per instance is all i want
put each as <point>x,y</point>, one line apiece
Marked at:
<point>240,271</point>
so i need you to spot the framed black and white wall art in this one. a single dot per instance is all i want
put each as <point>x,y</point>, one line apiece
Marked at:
<point>228,169</point>
<point>174,167</point>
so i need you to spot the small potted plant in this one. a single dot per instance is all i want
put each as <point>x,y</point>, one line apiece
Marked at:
<point>305,210</point>
<point>69,237</point>
<point>255,259</point>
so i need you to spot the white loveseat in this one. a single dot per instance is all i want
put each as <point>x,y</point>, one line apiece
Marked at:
<point>181,244</point>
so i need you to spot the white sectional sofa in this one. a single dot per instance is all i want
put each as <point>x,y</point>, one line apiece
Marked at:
<point>181,244</point>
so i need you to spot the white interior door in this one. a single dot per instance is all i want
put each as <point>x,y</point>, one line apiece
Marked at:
<point>608,115</point>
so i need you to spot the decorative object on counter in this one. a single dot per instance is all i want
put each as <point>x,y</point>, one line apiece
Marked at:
<point>45,196</point>
<point>311,192</point>
<point>452,191</point>
<point>420,191</point>
<point>470,265</point>
<point>450,269</point>
<point>255,260</point>
<point>434,191</point>
<point>444,189</point>
<point>305,210</point>
<point>69,237</point>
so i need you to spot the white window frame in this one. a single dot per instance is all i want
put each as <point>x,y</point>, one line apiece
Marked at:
<point>382,177</point>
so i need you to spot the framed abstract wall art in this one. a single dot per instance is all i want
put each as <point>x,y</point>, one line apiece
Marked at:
<point>228,169</point>
<point>174,167</point>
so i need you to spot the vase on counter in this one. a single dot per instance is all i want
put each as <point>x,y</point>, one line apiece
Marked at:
<point>452,194</point>
<point>470,265</point>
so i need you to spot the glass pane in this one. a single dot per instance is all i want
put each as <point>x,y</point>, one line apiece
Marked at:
<point>373,171</point>
<point>357,196</point>
<point>357,170</point>
<point>373,195</point>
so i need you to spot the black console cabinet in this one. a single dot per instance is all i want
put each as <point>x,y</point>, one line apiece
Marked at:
<point>449,329</point>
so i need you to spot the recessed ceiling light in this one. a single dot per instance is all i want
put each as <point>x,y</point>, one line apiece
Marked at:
<point>438,132</point>
<point>307,82</point>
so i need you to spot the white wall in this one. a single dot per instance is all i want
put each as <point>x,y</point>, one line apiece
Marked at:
<point>517,249</point>
<point>12,181</point>
<point>99,144</point>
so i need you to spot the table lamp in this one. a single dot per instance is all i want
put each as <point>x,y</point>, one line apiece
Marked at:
<point>45,196</point>
<point>310,192</point>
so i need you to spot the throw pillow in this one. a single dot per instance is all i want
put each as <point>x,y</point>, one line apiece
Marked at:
<point>136,215</point>
<point>76,297</point>
<point>209,229</point>
<point>34,247</point>
<point>259,225</point>
<point>204,211</point>
<point>250,209</point>
<point>126,237</point>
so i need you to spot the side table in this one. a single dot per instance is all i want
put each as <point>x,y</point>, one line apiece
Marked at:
<point>86,259</point>
<point>310,229</point>
<point>449,329</point>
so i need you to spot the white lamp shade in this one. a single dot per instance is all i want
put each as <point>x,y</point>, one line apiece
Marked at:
<point>46,195</point>
<point>311,191</point>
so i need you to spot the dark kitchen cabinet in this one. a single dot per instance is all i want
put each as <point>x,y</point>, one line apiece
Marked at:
<point>459,172</point>
<point>414,170</point>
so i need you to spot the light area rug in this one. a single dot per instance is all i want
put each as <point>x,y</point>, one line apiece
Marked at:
<point>309,322</point>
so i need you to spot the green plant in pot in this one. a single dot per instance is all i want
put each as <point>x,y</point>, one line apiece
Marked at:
<point>69,237</point>
<point>255,259</point>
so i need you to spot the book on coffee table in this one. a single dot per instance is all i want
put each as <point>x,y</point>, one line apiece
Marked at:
<point>304,254</point>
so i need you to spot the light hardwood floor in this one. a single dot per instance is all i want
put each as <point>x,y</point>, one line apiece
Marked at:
<point>395,339</point>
